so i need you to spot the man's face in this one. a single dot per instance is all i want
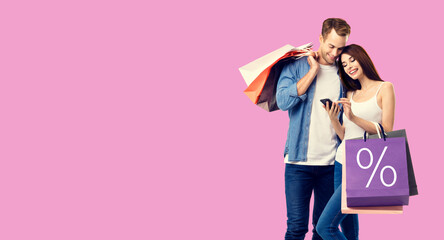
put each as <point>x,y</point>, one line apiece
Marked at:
<point>331,47</point>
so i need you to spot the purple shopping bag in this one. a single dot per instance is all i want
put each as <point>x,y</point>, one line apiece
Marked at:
<point>376,171</point>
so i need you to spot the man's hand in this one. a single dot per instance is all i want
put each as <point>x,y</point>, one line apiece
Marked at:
<point>304,83</point>
<point>313,61</point>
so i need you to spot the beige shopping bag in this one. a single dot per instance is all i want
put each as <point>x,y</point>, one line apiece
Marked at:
<point>262,74</point>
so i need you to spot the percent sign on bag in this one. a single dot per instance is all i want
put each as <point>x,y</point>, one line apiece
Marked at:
<point>370,164</point>
<point>376,183</point>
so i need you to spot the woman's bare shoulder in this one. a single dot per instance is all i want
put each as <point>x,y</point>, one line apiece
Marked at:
<point>387,88</point>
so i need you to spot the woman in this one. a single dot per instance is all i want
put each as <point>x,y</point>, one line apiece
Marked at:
<point>369,100</point>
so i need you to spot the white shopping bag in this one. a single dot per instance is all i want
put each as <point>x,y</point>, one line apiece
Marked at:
<point>257,73</point>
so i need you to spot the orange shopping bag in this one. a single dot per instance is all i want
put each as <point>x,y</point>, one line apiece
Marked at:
<point>262,74</point>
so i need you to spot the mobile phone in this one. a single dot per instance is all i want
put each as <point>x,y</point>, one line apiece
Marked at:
<point>325,100</point>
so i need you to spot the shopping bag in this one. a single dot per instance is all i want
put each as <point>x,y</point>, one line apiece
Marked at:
<point>376,172</point>
<point>362,210</point>
<point>413,188</point>
<point>376,183</point>
<point>262,74</point>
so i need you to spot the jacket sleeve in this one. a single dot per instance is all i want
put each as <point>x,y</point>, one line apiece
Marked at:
<point>286,90</point>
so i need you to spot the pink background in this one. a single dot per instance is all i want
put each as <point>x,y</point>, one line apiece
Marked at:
<point>127,119</point>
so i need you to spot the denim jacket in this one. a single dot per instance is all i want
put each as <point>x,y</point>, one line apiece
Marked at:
<point>298,107</point>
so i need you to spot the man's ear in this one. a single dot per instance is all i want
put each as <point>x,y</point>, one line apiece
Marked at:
<point>321,39</point>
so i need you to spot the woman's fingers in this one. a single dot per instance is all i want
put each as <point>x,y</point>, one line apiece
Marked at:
<point>338,109</point>
<point>335,109</point>
<point>344,103</point>
<point>332,109</point>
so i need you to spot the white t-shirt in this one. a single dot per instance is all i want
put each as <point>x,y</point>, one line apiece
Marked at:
<point>322,140</point>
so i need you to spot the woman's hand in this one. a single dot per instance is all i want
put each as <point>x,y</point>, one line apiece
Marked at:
<point>332,111</point>
<point>346,104</point>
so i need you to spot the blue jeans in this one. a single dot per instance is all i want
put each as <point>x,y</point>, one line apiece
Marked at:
<point>332,217</point>
<point>300,182</point>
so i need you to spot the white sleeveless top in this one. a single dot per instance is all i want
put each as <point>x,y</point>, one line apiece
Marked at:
<point>368,110</point>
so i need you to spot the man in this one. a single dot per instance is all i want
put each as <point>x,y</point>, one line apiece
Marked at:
<point>311,140</point>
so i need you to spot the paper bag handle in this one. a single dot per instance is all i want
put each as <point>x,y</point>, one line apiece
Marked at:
<point>377,129</point>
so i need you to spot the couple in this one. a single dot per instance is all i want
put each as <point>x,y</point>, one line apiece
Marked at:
<point>347,76</point>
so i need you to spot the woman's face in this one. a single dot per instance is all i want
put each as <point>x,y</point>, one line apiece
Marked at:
<point>351,66</point>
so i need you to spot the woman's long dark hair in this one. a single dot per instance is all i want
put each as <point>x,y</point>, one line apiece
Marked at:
<point>359,54</point>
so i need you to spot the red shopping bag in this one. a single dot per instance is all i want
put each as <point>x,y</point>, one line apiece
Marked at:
<point>262,74</point>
